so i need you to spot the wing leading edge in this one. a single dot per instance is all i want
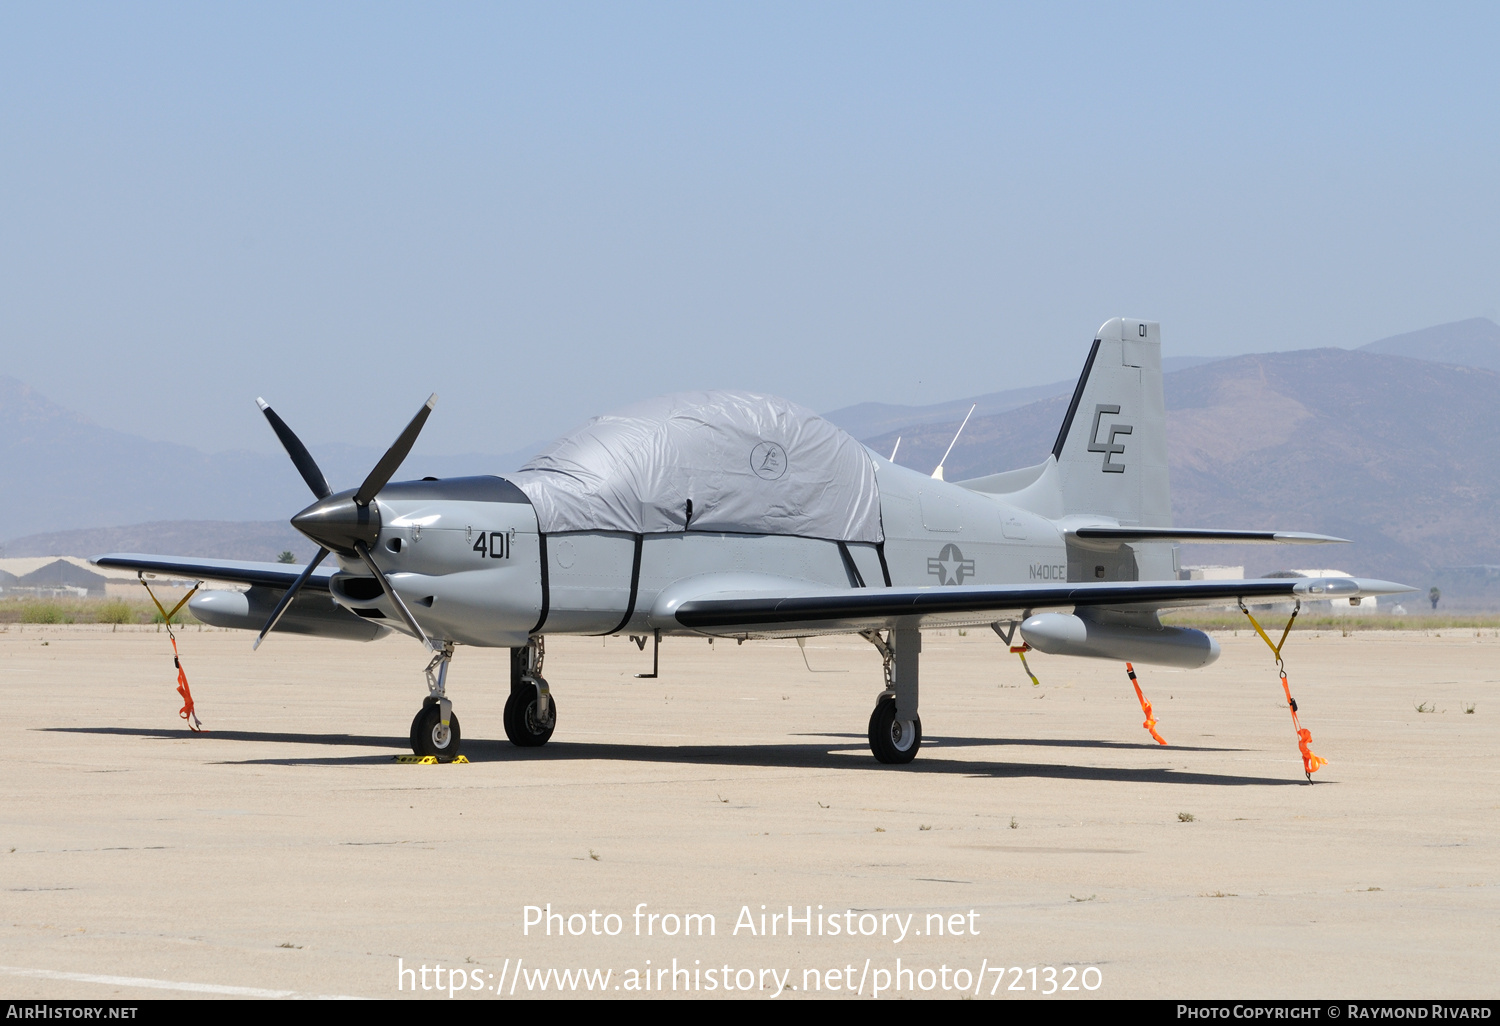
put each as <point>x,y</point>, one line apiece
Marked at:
<point>1200,535</point>
<point>729,608</point>
<point>236,571</point>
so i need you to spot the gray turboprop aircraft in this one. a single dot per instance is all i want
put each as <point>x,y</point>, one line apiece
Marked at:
<point>732,515</point>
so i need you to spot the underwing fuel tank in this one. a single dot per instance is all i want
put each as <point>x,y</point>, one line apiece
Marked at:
<point>311,613</point>
<point>1066,634</point>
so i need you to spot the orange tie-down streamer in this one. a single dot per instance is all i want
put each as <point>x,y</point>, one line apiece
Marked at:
<point>186,711</point>
<point>1310,763</point>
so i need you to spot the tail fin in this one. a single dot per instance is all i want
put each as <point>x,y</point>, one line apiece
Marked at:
<point>1112,450</point>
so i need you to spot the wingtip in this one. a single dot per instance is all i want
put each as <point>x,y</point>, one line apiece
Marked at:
<point>432,400</point>
<point>264,406</point>
<point>256,643</point>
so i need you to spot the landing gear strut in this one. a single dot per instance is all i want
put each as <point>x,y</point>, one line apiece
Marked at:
<point>530,711</point>
<point>434,730</point>
<point>895,727</point>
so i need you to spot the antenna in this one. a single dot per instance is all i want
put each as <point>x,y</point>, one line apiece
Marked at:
<point>938,473</point>
<point>896,449</point>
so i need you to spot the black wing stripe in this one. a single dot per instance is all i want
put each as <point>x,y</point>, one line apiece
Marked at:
<point>1199,534</point>
<point>270,575</point>
<point>880,603</point>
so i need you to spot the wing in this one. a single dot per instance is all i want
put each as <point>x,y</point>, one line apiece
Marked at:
<point>312,611</point>
<point>236,571</point>
<point>1201,535</point>
<point>743,605</point>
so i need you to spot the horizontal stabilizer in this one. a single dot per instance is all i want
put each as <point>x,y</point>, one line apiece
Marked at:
<point>1201,536</point>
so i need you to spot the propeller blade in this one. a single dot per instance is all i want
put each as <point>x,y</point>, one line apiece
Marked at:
<point>390,593</point>
<point>306,465</point>
<point>286,600</point>
<point>391,461</point>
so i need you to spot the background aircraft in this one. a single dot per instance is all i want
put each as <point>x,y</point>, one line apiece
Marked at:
<point>735,515</point>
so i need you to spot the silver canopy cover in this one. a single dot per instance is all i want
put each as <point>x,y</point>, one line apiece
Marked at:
<point>749,463</point>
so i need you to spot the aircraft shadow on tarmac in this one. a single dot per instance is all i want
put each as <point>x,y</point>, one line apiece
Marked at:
<point>837,751</point>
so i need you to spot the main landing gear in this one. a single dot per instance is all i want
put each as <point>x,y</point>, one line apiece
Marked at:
<point>530,711</point>
<point>895,727</point>
<point>434,730</point>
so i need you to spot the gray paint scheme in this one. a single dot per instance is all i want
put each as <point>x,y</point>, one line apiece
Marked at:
<point>475,568</point>
<point>311,612</point>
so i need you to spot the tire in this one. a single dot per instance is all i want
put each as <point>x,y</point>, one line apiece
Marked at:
<point>892,741</point>
<point>428,737</point>
<point>416,722</point>
<point>521,723</point>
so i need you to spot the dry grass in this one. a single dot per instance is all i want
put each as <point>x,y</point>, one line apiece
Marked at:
<point>85,610</point>
<point>1235,621</point>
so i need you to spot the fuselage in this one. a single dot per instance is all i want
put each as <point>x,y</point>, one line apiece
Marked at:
<point>468,559</point>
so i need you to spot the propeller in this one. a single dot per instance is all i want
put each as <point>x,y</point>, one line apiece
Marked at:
<point>345,522</point>
<point>286,599</point>
<point>306,465</point>
<point>394,456</point>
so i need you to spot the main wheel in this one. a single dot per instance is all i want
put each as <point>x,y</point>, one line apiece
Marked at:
<point>893,741</point>
<point>522,724</point>
<point>430,737</point>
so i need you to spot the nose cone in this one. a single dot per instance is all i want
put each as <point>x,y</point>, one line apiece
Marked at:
<point>337,522</point>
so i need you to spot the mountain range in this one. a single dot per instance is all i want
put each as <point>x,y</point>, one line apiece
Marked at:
<point>60,472</point>
<point>1381,445</point>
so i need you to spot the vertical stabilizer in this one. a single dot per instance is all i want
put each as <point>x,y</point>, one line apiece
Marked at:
<point>1112,449</point>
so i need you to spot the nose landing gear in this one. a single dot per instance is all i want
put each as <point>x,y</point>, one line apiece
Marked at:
<point>434,730</point>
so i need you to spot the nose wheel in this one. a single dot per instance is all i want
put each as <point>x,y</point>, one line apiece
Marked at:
<point>434,730</point>
<point>431,736</point>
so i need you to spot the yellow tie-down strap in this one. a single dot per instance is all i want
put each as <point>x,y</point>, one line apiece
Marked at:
<point>1310,763</point>
<point>429,760</point>
<point>187,712</point>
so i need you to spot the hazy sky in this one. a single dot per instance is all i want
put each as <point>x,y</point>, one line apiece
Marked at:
<point>545,211</point>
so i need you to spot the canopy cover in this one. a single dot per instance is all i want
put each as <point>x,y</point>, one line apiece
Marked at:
<point>746,463</point>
